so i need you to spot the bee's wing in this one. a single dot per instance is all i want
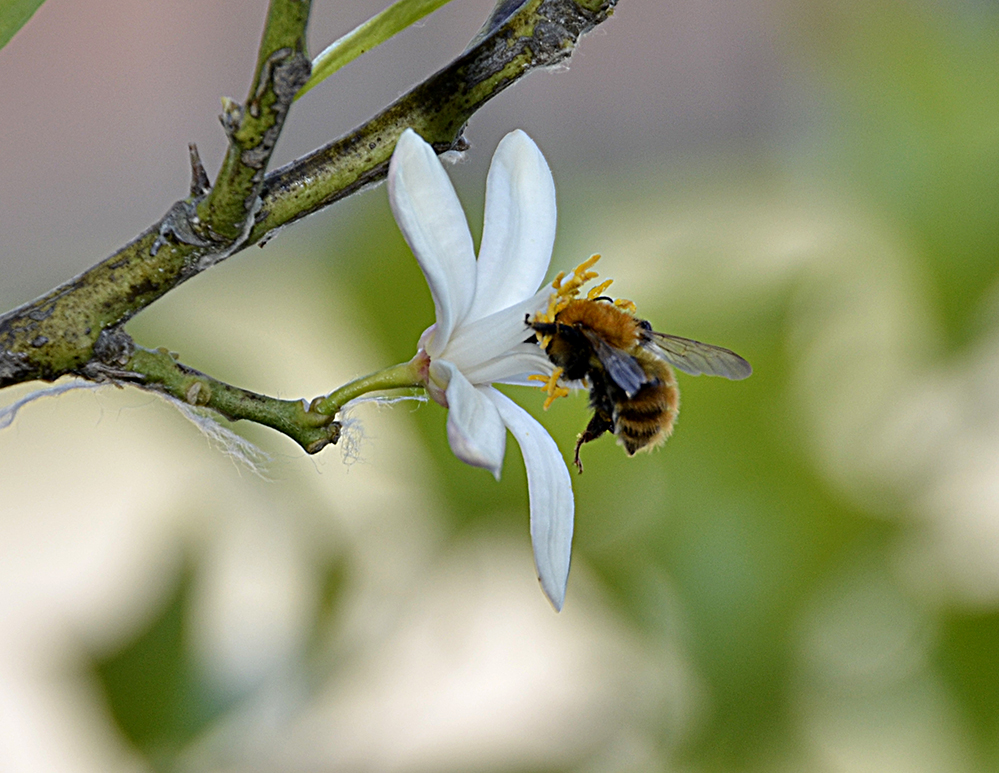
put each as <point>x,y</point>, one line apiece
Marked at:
<point>621,366</point>
<point>696,358</point>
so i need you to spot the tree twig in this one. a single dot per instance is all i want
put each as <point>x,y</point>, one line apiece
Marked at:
<point>253,129</point>
<point>76,328</point>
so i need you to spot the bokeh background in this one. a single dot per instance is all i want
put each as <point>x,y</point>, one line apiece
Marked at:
<point>806,577</point>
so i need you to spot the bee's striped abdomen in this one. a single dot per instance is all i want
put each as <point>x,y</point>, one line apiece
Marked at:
<point>646,420</point>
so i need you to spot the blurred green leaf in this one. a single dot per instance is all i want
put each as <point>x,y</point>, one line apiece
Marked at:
<point>730,511</point>
<point>967,659</point>
<point>366,36</point>
<point>153,688</point>
<point>14,14</point>
<point>334,578</point>
<point>918,116</point>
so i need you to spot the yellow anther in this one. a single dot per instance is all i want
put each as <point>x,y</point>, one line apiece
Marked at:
<point>596,292</point>
<point>580,276</point>
<point>553,307</point>
<point>560,392</point>
<point>565,291</point>
<point>589,263</point>
<point>554,395</point>
<point>551,386</point>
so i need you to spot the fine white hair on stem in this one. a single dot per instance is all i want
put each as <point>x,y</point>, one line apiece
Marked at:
<point>352,434</point>
<point>9,412</point>
<point>351,439</point>
<point>384,400</point>
<point>236,447</point>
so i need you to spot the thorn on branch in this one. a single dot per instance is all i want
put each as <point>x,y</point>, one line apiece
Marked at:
<point>180,222</point>
<point>200,184</point>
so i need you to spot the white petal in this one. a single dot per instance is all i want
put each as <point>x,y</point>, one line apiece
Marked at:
<point>512,367</point>
<point>431,218</point>
<point>474,429</point>
<point>519,227</point>
<point>550,491</point>
<point>490,336</point>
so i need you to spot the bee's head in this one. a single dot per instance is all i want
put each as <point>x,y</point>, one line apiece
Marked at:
<point>539,327</point>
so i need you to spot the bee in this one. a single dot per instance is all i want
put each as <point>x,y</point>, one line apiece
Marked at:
<point>628,367</point>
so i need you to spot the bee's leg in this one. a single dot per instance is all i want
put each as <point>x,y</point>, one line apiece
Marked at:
<point>599,424</point>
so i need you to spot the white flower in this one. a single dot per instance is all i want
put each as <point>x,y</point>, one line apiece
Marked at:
<point>479,336</point>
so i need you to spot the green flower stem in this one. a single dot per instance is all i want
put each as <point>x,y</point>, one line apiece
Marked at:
<point>312,426</point>
<point>403,376</point>
<point>158,370</point>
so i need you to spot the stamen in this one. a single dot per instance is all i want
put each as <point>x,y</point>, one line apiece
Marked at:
<point>596,292</point>
<point>551,386</point>
<point>589,263</point>
<point>566,290</point>
<point>553,308</point>
<point>580,276</point>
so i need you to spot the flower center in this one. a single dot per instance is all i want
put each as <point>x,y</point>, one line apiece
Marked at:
<point>565,291</point>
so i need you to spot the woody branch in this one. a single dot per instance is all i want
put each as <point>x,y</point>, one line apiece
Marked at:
<point>76,329</point>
